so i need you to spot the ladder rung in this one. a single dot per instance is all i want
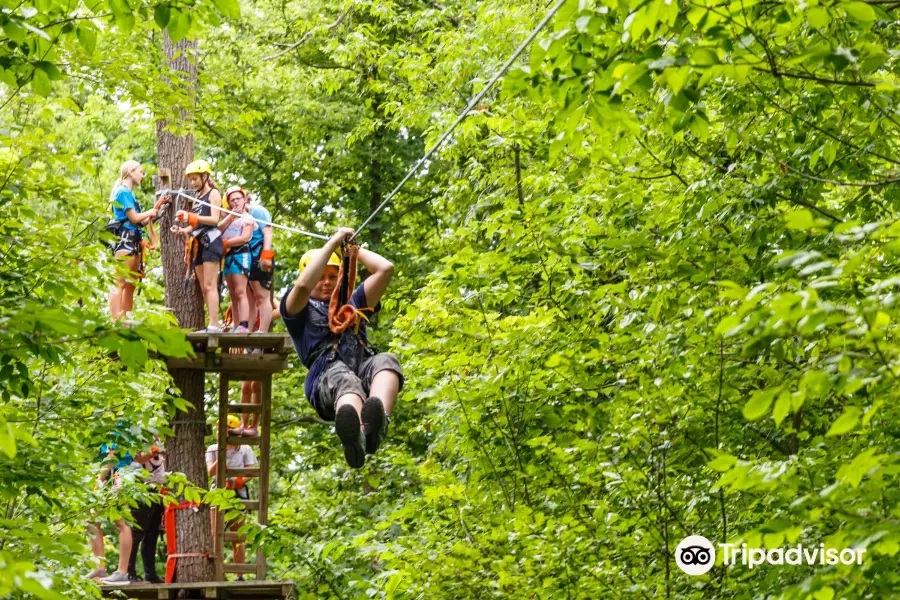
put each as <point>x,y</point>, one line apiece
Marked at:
<point>251,472</point>
<point>250,504</point>
<point>245,408</point>
<point>235,568</point>
<point>234,536</point>
<point>240,440</point>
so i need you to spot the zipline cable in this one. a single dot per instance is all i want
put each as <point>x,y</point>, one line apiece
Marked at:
<point>225,210</point>
<point>464,113</point>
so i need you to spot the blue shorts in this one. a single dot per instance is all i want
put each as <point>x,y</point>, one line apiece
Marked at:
<point>237,264</point>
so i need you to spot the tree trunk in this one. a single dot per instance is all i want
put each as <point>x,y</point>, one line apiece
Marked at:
<point>186,449</point>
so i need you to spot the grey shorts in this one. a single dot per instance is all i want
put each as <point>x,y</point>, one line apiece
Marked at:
<point>338,379</point>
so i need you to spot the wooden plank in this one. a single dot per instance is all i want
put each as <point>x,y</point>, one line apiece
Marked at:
<point>242,440</point>
<point>246,367</point>
<point>247,472</point>
<point>250,589</point>
<point>245,408</point>
<point>250,504</point>
<point>269,341</point>
<point>234,536</point>
<point>236,568</point>
<point>264,448</point>
<point>221,468</point>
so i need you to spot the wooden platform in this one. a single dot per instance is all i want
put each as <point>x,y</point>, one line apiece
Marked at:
<point>215,353</point>
<point>212,589</point>
<point>276,342</point>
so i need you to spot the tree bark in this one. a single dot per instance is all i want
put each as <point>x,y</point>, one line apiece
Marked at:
<point>186,449</point>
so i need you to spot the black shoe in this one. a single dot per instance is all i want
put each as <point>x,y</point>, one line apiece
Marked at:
<point>374,423</point>
<point>155,580</point>
<point>134,579</point>
<point>346,423</point>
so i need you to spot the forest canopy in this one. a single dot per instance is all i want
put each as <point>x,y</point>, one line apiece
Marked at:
<point>646,290</point>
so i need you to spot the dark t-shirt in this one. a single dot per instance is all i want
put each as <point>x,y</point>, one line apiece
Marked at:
<point>309,331</point>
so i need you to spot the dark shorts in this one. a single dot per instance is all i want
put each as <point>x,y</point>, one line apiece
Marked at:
<point>338,379</point>
<point>256,274</point>
<point>129,243</point>
<point>211,252</point>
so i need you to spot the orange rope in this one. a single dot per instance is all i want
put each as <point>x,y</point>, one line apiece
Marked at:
<point>342,316</point>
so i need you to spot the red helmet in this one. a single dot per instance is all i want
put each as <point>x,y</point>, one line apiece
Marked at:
<point>233,190</point>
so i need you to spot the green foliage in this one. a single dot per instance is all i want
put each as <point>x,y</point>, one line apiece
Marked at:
<point>647,290</point>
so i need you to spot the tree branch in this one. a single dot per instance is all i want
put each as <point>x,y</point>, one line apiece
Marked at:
<point>308,35</point>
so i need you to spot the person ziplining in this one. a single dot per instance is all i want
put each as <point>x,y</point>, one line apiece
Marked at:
<point>349,382</point>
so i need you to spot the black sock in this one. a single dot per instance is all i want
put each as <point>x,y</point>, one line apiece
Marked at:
<point>244,324</point>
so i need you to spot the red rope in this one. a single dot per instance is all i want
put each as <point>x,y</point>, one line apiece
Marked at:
<point>172,543</point>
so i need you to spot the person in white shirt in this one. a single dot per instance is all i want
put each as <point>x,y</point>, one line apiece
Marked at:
<point>236,457</point>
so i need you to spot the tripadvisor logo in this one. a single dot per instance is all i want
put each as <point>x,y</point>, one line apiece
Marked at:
<point>696,555</point>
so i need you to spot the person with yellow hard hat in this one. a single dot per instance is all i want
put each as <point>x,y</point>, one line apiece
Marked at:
<point>236,457</point>
<point>348,381</point>
<point>204,240</point>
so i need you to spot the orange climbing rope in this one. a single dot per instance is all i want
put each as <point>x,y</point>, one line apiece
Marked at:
<point>341,315</point>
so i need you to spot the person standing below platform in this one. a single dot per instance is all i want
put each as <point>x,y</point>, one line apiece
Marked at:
<point>236,457</point>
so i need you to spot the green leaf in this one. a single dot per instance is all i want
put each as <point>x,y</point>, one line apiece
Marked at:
<point>818,17</point>
<point>229,8</point>
<point>7,438</point>
<point>722,463</point>
<point>87,37</point>
<point>800,219</point>
<point>704,57</point>
<point>782,407</point>
<point>41,83</point>
<point>119,8</point>
<point>178,26</point>
<point>845,423</point>
<point>14,30</point>
<point>758,405</point>
<point>161,15</point>
<point>860,11</point>
<point>677,77</point>
<point>50,69</point>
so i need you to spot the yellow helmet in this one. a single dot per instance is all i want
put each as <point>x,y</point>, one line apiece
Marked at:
<point>198,167</point>
<point>333,260</point>
<point>233,422</point>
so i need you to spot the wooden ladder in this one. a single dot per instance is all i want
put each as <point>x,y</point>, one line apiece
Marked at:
<point>213,356</point>
<point>261,472</point>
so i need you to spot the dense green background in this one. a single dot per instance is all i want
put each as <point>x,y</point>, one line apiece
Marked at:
<point>647,290</point>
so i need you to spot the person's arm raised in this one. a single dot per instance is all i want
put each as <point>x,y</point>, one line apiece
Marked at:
<point>381,270</point>
<point>298,297</point>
